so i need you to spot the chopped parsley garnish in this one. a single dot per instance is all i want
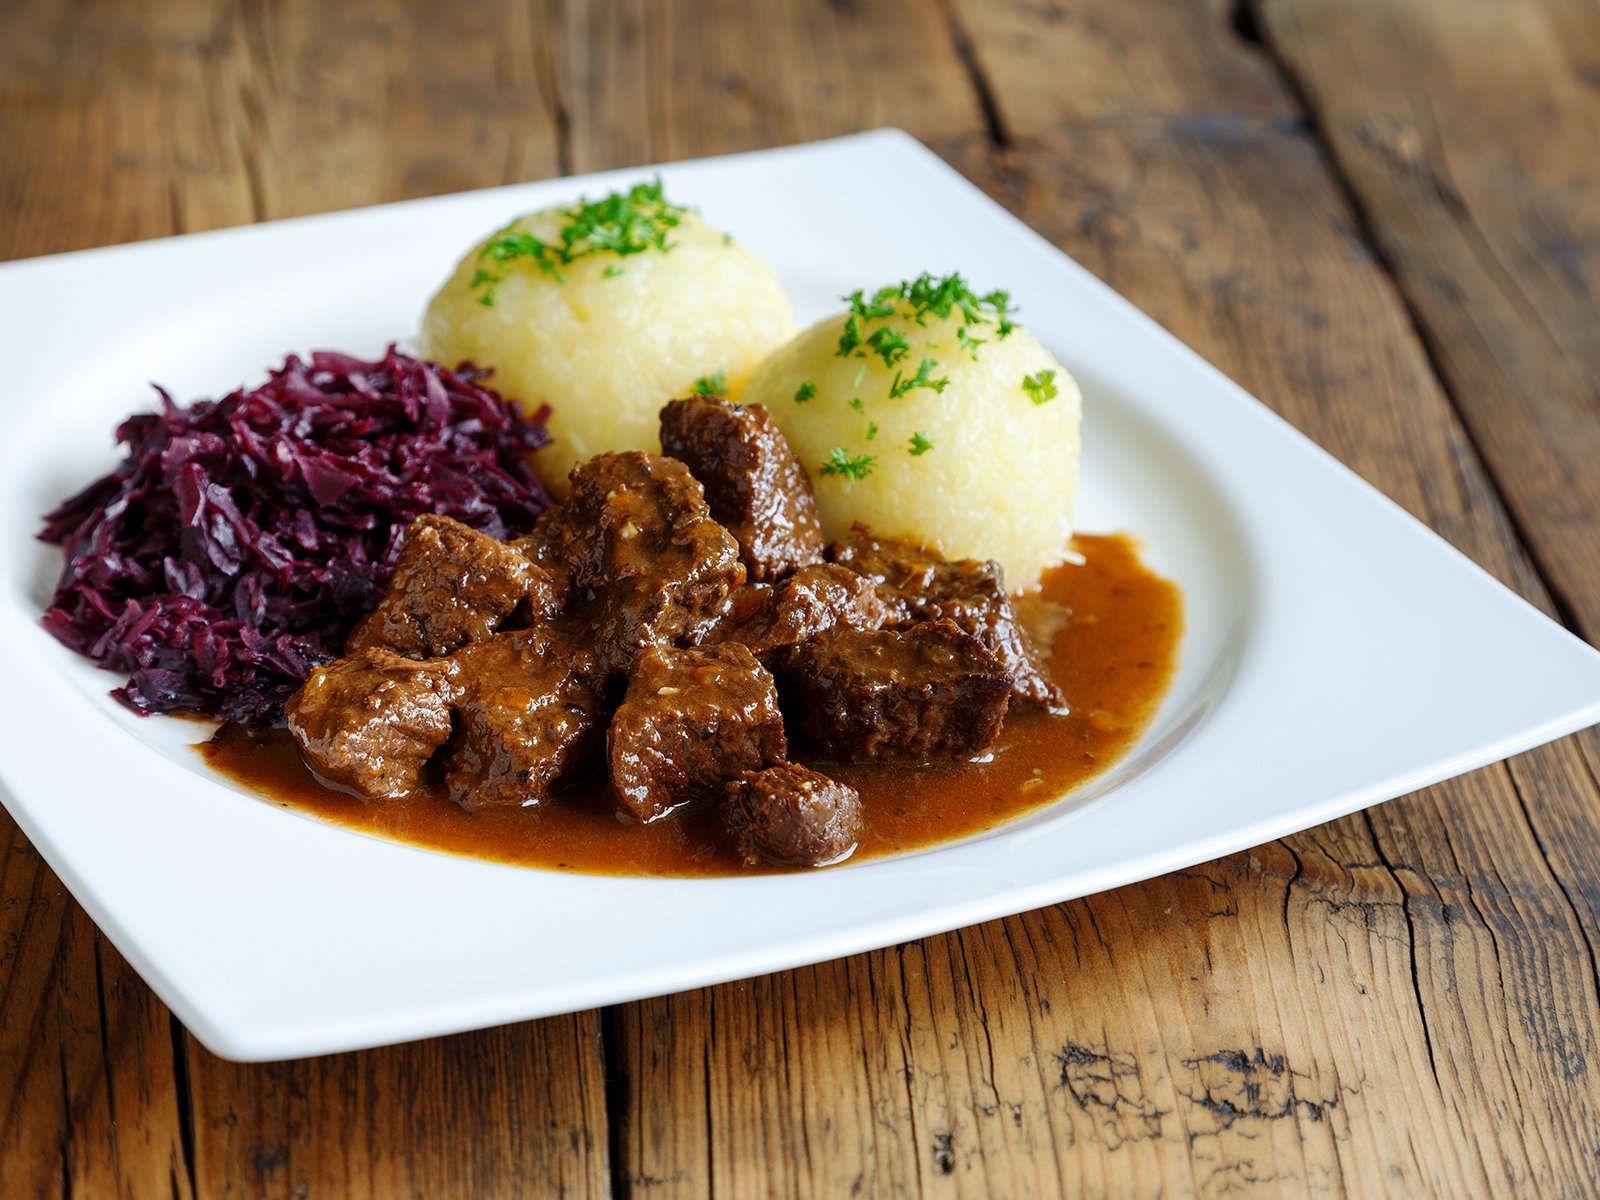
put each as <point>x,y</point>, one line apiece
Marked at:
<point>805,392</point>
<point>855,403</point>
<point>881,304</point>
<point>867,330</point>
<point>922,379</point>
<point>611,272</point>
<point>920,443</point>
<point>850,338</point>
<point>889,345</point>
<point>1041,386</point>
<point>621,223</point>
<point>872,430</point>
<point>942,297</point>
<point>713,384</point>
<point>840,463</point>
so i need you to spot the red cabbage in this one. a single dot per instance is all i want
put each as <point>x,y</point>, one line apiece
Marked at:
<point>240,539</point>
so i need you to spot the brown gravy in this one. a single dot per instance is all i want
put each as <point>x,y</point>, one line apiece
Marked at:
<point>1113,629</point>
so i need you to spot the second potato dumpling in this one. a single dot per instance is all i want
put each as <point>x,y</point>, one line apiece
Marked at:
<point>926,413</point>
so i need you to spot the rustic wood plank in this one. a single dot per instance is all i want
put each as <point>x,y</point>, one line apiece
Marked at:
<point>643,81</point>
<point>1468,130</point>
<point>87,1098</point>
<point>344,106</point>
<point>516,1111</point>
<point>122,122</point>
<point>1053,65</point>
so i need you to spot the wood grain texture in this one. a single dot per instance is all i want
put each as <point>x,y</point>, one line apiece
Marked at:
<point>644,81</point>
<point>88,1102</point>
<point>1468,131</point>
<point>516,1111</point>
<point>1403,1002</point>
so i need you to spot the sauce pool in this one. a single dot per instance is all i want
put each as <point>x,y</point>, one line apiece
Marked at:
<point>1112,627</point>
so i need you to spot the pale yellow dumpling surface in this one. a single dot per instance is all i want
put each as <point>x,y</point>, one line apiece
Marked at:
<point>608,339</point>
<point>995,474</point>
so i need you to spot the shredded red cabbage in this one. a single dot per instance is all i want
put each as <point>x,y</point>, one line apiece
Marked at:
<point>240,539</point>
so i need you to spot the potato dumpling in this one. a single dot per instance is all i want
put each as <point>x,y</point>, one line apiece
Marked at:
<point>605,310</point>
<point>958,430</point>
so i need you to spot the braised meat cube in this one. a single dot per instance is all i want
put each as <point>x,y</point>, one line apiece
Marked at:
<point>904,572</point>
<point>692,719</point>
<point>754,483</point>
<point>527,714</point>
<point>808,602</point>
<point>931,691</point>
<point>368,722</point>
<point>452,586</point>
<point>648,563</point>
<point>922,585</point>
<point>823,597</point>
<point>975,598</point>
<point>550,544</point>
<point>791,816</point>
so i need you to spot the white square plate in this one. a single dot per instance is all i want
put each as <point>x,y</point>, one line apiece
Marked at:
<point>1336,652</point>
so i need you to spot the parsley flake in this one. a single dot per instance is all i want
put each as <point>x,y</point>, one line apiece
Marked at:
<point>922,379</point>
<point>920,443</point>
<point>881,305</point>
<point>872,430</point>
<point>840,463</point>
<point>855,403</point>
<point>805,392</point>
<point>888,345</point>
<point>714,384</point>
<point>620,223</point>
<point>940,296</point>
<point>850,338</point>
<point>1040,386</point>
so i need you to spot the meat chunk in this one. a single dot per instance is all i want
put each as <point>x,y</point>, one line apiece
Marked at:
<point>791,816</point>
<point>808,602</point>
<point>452,586</point>
<point>368,722</point>
<point>691,720</point>
<point>754,483</point>
<point>931,691</point>
<point>528,713</point>
<point>922,585</point>
<point>648,564</point>
<point>553,544</point>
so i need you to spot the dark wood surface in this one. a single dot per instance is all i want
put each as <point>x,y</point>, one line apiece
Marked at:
<point>1380,216</point>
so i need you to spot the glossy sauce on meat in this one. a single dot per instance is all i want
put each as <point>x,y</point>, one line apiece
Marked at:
<point>1114,646</point>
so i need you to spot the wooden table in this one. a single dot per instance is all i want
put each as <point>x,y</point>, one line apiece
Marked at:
<point>1380,216</point>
